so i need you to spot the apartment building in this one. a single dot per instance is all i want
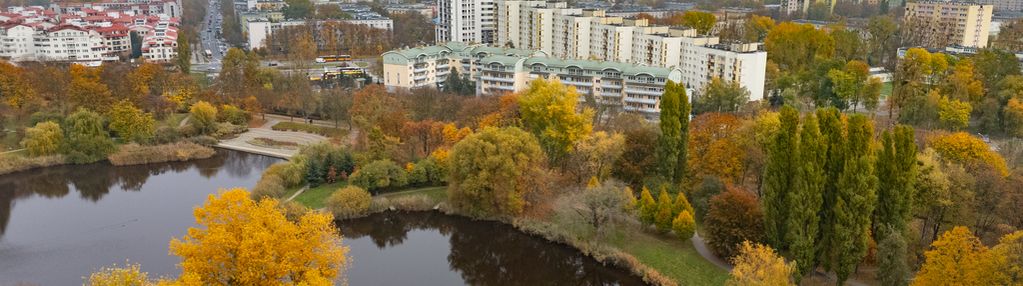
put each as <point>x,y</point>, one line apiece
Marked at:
<point>803,6</point>
<point>616,85</point>
<point>1004,5</point>
<point>257,30</point>
<point>469,21</point>
<point>965,24</point>
<point>585,34</point>
<point>169,8</point>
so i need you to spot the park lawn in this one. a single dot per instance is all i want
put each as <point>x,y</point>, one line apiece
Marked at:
<point>886,90</point>
<point>672,257</point>
<point>316,198</point>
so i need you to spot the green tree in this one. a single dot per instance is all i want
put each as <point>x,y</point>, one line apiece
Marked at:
<point>778,176</point>
<point>701,21</point>
<point>86,140</point>
<point>720,96</point>
<point>663,217</point>
<point>891,260</point>
<point>298,9</point>
<point>855,199</point>
<point>492,172</point>
<point>674,139</point>
<point>647,207</point>
<point>896,175</point>
<point>379,174</point>
<point>682,205</point>
<point>45,138</point>
<point>833,130</point>
<point>684,225</point>
<point>204,117</point>
<point>954,114</point>
<point>131,123</point>
<point>805,199</point>
<point>184,59</point>
<point>548,110</point>
<point>796,46</point>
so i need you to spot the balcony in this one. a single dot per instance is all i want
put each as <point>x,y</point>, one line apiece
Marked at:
<point>498,79</point>
<point>643,91</point>
<point>419,77</point>
<point>640,100</point>
<point>419,70</point>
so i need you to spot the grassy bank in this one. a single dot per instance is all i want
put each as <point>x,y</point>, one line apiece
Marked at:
<point>16,162</point>
<point>315,198</point>
<point>134,154</point>
<point>309,128</point>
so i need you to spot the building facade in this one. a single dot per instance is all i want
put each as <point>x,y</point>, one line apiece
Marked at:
<point>960,23</point>
<point>1004,5</point>
<point>468,21</point>
<point>614,85</point>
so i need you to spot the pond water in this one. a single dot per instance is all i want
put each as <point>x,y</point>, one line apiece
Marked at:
<point>59,224</point>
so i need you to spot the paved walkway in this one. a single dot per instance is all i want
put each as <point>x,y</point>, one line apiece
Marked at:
<point>353,134</point>
<point>240,143</point>
<point>701,248</point>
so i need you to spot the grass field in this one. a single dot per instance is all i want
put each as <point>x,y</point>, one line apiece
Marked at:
<point>672,257</point>
<point>315,198</point>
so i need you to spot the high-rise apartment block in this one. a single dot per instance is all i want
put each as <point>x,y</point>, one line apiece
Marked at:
<point>468,21</point>
<point>960,23</point>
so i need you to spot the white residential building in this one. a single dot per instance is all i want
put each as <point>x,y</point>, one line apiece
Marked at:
<point>468,21</point>
<point>962,23</point>
<point>257,30</point>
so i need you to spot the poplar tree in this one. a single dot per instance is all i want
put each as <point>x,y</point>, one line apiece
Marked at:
<point>833,132</point>
<point>896,174</point>
<point>855,199</point>
<point>673,141</point>
<point>778,176</point>
<point>804,201</point>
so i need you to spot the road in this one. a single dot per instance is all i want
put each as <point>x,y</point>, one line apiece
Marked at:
<point>211,40</point>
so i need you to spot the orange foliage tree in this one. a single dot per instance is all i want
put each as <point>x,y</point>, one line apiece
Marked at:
<point>714,146</point>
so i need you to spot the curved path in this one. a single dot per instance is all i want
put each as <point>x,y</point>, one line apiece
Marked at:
<point>701,247</point>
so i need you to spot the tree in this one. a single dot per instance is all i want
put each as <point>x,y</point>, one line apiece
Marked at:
<point>491,172</point>
<point>184,59</point>
<point>131,123</point>
<point>795,46</point>
<point>130,275</point>
<point>663,217</point>
<point>308,251</point>
<point>548,110</point>
<point>758,264</point>
<point>1002,264</point>
<point>881,37</point>
<point>963,84</point>
<point>15,88</point>
<point>204,117</point>
<point>806,197</point>
<point>647,207</point>
<point>595,155</point>
<point>855,200</point>
<point>298,9</point>
<point>833,131</point>
<point>963,148</point>
<point>756,28</point>
<point>734,216</point>
<point>720,96</point>
<point>891,252</point>
<point>86,89</point>
<point>684,225</point>
<point>680,205</point>
<point>951,259</point>
<point>674,138</point>
<point>380,174</point>
<point>701,21</point>
<point>601,203</point>
<point>86,140</point>
<point>853,85</point>
<point>336,105</point>
<point>954,114</point>
<point>348,202</point>
<point>848,45</point>
<point>779,176</point>
<point>45,138</point>
<point>1013,117</point>
<point>896,174</point>
<point>640,149</point>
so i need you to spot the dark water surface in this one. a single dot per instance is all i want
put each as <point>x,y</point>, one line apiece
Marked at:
<point>59,224</point>
<point>430,248</point>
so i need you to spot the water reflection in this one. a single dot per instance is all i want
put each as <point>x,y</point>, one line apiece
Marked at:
<point>58,224</point>
<point>481,253</point>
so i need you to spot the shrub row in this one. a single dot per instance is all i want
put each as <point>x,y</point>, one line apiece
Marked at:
<point>278,178</point>
<point>134,154</point>
<point>308,128</point>
<point>14,163</point>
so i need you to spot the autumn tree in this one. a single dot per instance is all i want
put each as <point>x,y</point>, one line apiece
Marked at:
<point>896,173</point>
<point>755,28</point>
<point>548,110</point>
<point>601,203</point>
<point>855,200</point>
<point>647,207</point>
<point>665,207</point>
<point>734,216</point>
<point>308,251</point>
<point>184,58</point>
<point>129,275</point>
<point>85,139</point>
<point>16,89</point>
<point>491,172</point>
<point>87,90</point>
<point>1002,264</point>
<point>952,258</point>
<point>46,138</point>
<point>595,155</point>
<point>854,85</point>
<point>699,20</point>
<point>720,96</point>
<point>779,174</point>
<point>805,198</point>
<point>673,142</point>
<point>963,148</point>
<point>953,114</point>
<point>131,123</point>
<point>758,264</point>
<point>639,155</point>
<point>203,117</point>
<point>684,225</point>
<point>796,46</point>
<point>891,256</point>
<point>348,202</point>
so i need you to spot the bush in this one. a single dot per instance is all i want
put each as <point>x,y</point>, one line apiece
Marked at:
<point>43,139</point>
<point>234,115</point>
<point>647,207</point>
<point>228,130</point>
<point>380,174</point>
<point>165,134</point>
<point>204,140</point>
<point>426,173</point>
<point>204,117</point>
<point>293,210</point>
<point>289,173</point>
<point>134,154</point>
<point>308,128</point>
<point>684,225</point>
<point>321,158</point>
<point>268,187</point>
<point>14,163</point>
<point>349,202</point>
<point>43,116</point>
<point>734,216</point>
<point>665,209</point>
<point>85,140</point>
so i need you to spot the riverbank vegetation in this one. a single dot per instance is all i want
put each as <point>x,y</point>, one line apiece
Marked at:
<point>134,154</point>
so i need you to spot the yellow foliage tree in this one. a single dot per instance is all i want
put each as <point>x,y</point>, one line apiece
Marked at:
<point>131,123</point>
<point>963,148</point>
<point>348,202</point>
<point>954,114</point>
<point>1003,265</point>
<point>1012,115</point>
<point>663,217</point>
<point>681,205</point>
<point>759,265</point>
<point>684,225</point>
<point>204,116</point>
<point>952,260</point>
<point>130,275</point>
<point>548,110</point>
<point>243,242</point>
<point>715,147</point>
<point>43,139</point>
<point>647,207</point>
